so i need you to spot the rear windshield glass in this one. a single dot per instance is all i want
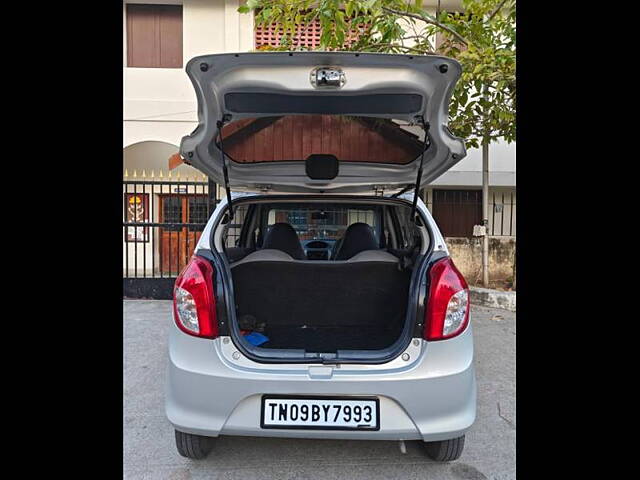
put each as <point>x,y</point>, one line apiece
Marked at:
<point>295,137</point>
<point>327,222</point>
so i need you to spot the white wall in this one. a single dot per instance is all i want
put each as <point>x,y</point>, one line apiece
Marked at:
<point>159,103</point>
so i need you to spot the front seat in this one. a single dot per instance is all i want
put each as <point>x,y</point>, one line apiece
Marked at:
<point>357,238</point>
<point>282,236</point>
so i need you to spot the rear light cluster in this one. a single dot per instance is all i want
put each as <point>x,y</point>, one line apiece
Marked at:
<point>447,309</point>
<point>194,301</point>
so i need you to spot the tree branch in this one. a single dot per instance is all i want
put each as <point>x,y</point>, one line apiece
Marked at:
<point>402,47</point>
<point>427,19</point>
<point>498,8</point>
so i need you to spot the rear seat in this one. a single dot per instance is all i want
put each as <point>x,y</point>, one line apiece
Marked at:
<point>265,255</point>
<point>272,255</point>
<point>282,244</point>
<point>363,287</point>
<point>367,290</point>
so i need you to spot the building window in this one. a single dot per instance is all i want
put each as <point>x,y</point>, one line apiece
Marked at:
<point>154,36</point>
<point>457,211</point>
<point>137,211</point>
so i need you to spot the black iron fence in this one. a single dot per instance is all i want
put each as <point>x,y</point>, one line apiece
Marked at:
<point>457,211</point>
<point>162,223</point>
<point>502,213</point>
<point>163,220</point>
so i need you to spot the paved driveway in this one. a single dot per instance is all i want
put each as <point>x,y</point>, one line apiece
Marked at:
<point>149,451</point>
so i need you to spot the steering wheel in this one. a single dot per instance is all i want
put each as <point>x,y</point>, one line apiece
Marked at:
<point>336,248</point>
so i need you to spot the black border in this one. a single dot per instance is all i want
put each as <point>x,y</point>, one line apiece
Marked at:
<point>267,396</point>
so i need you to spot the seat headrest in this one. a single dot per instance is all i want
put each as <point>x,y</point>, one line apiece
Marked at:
<point>282,236</point>
<point>357,238</point>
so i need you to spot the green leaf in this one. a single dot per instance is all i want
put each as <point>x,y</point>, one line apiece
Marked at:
<point>349,8</point>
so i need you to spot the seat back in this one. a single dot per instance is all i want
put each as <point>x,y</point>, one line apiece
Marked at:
<point>282,236</point>
<point>363,293</point>
<point>357,238</point>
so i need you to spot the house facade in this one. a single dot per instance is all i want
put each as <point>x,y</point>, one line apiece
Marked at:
<point>160,107</point>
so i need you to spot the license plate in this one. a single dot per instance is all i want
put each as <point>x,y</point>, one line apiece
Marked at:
<point>320,413</point>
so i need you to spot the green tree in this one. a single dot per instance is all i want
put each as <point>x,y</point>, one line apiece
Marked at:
<point>481,36</point>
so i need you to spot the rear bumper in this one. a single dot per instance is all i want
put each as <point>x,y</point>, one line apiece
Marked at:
<point>432,397</point>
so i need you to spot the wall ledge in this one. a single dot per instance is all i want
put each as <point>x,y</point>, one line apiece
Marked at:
<point>487,297</point>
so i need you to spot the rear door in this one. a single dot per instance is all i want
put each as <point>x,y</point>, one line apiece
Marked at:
<point>367,110</point>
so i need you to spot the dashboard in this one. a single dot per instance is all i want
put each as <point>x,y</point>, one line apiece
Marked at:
<point>318,249</point>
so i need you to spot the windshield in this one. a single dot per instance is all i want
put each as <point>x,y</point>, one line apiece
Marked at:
<point>327,222</point>
<point>295,137</point>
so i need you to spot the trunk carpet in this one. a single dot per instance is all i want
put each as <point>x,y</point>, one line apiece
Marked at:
<point>323,307</point>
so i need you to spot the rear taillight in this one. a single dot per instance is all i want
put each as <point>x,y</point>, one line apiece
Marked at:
<point>194,301</point>
<point>447,308</point>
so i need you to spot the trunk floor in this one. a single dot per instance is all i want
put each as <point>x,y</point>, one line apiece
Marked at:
<point>330,339</point>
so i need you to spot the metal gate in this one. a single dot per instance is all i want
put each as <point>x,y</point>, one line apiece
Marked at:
<point>162,223</point>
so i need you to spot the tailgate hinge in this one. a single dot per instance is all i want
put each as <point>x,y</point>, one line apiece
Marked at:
<point>378,190</point>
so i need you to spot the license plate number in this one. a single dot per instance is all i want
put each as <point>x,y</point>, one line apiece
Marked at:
<point>320,413</point>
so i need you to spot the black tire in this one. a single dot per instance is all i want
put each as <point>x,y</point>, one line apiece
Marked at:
<point>193,446</point>
<point>445,450</point>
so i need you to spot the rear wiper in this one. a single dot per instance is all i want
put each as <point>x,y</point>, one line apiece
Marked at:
<point>225,172</point>
<point>425,125</point>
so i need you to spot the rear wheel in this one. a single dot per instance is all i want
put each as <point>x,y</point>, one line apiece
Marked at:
<point>193,446</point>
<point>445,450</point>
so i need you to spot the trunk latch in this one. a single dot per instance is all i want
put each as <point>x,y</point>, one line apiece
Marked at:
<point>322,77</point>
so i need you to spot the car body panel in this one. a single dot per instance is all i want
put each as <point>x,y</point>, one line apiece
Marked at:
<point>428,390</point>
<point>431,397</point>
<point>286,74</point>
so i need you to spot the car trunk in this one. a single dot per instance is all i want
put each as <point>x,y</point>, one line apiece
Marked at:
<point>323,306</point>
<point>323,124</point>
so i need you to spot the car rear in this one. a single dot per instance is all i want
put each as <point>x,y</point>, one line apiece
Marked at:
<point>283,333</point>
<point>426,392</point>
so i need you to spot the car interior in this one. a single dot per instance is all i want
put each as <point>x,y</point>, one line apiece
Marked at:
<point>343,287</point>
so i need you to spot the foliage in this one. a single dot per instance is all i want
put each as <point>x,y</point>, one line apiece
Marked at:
<point>481,37</point>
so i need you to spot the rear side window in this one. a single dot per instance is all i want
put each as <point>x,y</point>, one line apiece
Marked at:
<point>323,222</point>
<point>233,230</point>
<point>409,233</point>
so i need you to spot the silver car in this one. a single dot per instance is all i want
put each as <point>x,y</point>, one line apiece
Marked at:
<point>321,301</point>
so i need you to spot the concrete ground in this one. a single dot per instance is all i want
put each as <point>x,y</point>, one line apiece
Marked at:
<point>149,450</point>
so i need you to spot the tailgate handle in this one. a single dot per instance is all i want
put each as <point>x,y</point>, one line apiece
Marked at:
<point>319,166</point>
